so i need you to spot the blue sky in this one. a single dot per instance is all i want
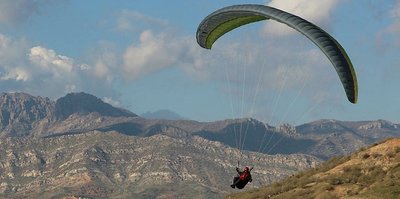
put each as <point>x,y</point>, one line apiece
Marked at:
<point>143,56</point>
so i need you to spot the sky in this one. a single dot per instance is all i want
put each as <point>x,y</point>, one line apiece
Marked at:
<point>143,56</point>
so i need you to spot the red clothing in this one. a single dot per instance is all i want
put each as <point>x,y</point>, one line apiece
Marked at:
<point>244,176</point>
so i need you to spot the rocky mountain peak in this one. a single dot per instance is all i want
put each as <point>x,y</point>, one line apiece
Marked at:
<point>17,109</point>
<point>287,129</point>
<point>19,98</point>
<point>83,103</point>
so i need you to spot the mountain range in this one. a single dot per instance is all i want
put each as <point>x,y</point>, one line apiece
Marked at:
<point>80,146</point>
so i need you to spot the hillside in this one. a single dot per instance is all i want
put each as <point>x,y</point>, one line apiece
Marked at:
<point>368,173</point>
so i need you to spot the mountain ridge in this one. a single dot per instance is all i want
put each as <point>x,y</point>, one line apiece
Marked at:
<point>94,150</point>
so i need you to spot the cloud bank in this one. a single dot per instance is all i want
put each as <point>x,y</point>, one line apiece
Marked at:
<point>153,53</point>
<point>42,71</point>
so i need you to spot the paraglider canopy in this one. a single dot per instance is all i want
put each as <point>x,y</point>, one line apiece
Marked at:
<point>226,19</point>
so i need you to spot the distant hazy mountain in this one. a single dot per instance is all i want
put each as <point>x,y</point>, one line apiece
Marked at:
<point>162,114</point>
<point>83,103</point>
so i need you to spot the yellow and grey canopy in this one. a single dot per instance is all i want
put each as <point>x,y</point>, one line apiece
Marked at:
<point>226,19</point>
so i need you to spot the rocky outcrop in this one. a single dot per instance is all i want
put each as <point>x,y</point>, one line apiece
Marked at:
<point>288,129</point>
<point>20,113</point>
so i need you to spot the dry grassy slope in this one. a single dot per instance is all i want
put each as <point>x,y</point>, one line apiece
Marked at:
<point>368,173</point>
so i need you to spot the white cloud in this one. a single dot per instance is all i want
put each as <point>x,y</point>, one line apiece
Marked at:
<point>18,74</point>
<point>54,73</point>
<point>48,60</point>
<point>315,11</point>
<point>42,71</point>
<point>12,59</point>
<point>60,74</point>
<point>105,62</point>
<point>106,66</point>
<point>111,101</point>
<point>154,53</point>
<point>101,70</point>
<point>11,50</point>
<point>158,47</point>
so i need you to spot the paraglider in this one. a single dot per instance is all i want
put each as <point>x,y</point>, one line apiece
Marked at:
<point>243,177</point>
<point>226,19</point>
<point>229,18</point>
